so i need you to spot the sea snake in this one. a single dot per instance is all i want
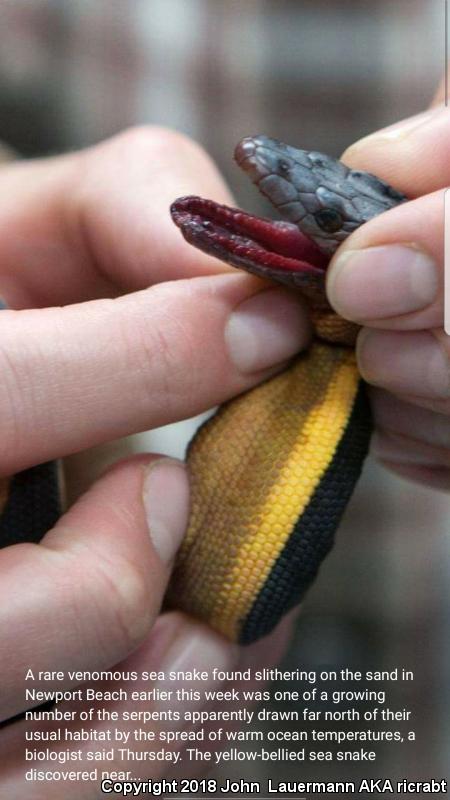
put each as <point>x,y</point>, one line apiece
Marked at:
<point>273,470</point>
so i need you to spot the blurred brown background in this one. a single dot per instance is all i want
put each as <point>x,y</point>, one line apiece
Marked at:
<point>316,74</point>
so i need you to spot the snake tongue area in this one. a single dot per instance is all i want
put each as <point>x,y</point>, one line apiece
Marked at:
<point>268,248</point>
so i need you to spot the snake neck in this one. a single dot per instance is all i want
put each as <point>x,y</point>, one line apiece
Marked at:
<point>330,327</point>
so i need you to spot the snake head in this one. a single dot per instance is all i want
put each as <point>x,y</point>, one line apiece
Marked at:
<point>322,201</point>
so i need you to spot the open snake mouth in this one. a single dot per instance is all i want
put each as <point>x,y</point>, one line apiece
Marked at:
<point>268,248</point>
<point>279,250</point>
<point>228,232</point>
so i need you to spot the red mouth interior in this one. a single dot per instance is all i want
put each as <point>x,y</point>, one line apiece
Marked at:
<point>247,241</point>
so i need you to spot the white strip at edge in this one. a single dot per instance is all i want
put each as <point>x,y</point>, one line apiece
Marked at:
<point>447,261</point>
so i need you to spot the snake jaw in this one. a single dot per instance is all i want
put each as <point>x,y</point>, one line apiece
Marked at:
<point>270,249</point>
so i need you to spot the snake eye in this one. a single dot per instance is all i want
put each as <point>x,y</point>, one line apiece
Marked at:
<point>283,167</point>
<point>328,219</point>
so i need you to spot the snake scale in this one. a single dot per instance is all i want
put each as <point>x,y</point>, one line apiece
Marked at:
<point>272,471</point>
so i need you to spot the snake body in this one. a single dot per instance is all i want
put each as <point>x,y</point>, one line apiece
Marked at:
<point>273,470</point>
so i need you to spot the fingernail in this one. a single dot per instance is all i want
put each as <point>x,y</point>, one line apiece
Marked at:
<point>382,282</point>
<point>166,502</point>
<point>193,650</point>
<point>266,329</point>
<point>396,131</point>
<point>412,363</point>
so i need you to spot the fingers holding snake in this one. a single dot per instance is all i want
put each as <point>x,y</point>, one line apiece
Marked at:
<point>94,585</point>
<point>84,374</point>
<point>389,277</point>
<point>412,154</point>
<point>90,225</point>
<point>390,273</point>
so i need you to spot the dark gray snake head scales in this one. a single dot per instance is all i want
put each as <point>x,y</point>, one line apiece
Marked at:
<point>320,198</point>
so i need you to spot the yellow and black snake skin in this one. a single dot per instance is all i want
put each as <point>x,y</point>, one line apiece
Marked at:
<point>272,471</point>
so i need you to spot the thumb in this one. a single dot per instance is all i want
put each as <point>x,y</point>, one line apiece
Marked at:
<point>89,593</point>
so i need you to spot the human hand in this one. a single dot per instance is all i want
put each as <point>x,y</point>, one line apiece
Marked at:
<point>89,232</point>
<point>389,277</point>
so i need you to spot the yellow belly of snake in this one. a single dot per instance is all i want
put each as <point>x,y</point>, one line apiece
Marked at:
<point>271,475</point>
